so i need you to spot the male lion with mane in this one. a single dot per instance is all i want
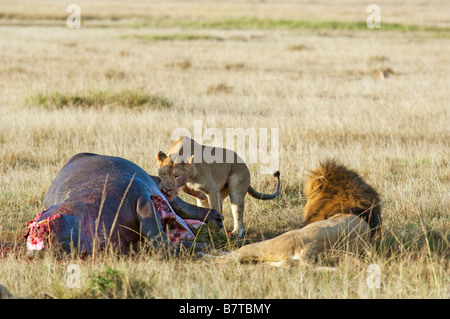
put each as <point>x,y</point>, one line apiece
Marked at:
<point>333,189</point>
<point>342,212</point>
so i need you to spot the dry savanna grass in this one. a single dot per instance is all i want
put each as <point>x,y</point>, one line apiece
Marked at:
<point>135,72</point>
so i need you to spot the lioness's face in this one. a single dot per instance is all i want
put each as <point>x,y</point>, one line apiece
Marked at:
<point>173,175</point>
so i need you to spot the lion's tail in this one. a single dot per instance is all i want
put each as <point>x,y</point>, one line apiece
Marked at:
<point>253,193</point>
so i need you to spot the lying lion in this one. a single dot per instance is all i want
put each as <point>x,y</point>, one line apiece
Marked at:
<point>342,212</point>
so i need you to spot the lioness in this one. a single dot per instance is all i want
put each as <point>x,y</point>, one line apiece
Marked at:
<point>341,211</point>
<point>210,176</point>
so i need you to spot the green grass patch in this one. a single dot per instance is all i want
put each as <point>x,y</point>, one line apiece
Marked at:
<point>266,24</point>
<point>134,99</point>
<point>110,283</point>
<point>254,23</point>
<point>149,21</point>
<point>178,37</point>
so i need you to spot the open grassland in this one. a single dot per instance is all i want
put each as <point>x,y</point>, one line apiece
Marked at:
<point>135,72</point>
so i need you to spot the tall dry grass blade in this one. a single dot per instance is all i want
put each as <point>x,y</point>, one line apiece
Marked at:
<point>102,202</point>
<point>118,210</point>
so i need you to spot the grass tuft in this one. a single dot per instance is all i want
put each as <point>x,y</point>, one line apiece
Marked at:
<point>111,283</point>
<point>133,99</point>
<point>219,88</point>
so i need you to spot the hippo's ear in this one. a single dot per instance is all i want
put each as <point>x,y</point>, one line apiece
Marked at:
<point>160,157</point>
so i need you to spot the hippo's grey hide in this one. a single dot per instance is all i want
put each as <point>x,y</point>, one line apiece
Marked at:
<point>100,200</point>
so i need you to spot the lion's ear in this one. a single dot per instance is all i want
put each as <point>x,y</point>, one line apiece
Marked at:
<point>160,158</point>
<point>192,168</point>
<point>319,182</point>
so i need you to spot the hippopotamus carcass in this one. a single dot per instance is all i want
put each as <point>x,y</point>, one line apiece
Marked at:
<point>96,201</point>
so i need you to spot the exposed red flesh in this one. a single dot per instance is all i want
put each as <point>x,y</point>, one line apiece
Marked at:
<point>38,231</point>
<point>173,229</point>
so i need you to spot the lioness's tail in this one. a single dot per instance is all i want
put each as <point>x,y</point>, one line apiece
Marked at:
<point>253,193</point>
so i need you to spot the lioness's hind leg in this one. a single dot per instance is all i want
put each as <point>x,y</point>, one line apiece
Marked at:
<point>237,208</point>
<point>237,189</point>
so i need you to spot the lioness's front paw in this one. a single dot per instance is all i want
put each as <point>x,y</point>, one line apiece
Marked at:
<point>236,233</point>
